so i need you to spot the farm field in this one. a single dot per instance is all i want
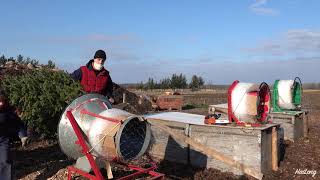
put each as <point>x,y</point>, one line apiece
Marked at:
<point>42,159</point>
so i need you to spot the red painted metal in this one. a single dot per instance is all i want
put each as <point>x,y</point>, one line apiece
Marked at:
<point>231,115</point>
<point>84,111</point>
<point>143,171</point>
<point>102,105</point>
<point>253,93</point>
<point>85,149</point>
<point>72,170</point>
<point>264,97</point>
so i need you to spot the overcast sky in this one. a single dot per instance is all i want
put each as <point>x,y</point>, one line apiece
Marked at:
<point>247,40</point>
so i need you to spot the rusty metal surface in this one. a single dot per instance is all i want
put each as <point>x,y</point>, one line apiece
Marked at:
<point>170,102</point>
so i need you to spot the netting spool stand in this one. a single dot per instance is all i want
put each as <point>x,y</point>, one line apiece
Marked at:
<point>287,95</point>
<point>248,103</point>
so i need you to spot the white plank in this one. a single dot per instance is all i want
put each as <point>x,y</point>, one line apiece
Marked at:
<point>181,117</point>
<point>224,105</point>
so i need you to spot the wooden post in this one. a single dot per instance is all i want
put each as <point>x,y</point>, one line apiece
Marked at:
<point>210,152</point>
<point>305,120</point>
<point>274,149</point>
<point>109,172</point>
<point>293,120</point>
<point>124,98</point>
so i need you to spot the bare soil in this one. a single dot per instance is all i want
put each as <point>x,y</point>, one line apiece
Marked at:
<point>43,159</point>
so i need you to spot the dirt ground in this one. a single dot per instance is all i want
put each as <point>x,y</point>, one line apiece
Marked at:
<point>42,159</point>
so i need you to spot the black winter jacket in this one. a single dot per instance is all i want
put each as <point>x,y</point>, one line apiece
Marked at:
<point>11,125</point>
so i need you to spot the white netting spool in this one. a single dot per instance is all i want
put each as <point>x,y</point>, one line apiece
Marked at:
<point>242,102</point>
<point>285,92</point>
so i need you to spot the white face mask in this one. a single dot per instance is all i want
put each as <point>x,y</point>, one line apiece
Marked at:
<point>97,66</point>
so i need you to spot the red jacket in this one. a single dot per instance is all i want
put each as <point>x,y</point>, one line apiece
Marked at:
<point>94,81</point>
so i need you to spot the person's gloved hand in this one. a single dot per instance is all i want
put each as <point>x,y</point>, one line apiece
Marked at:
<point>24,141</point>
<point>111,100</point>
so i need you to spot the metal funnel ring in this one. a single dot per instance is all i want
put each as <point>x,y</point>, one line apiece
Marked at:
<point>133,138</point>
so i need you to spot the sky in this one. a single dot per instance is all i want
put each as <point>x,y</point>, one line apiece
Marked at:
<point>221,41</point>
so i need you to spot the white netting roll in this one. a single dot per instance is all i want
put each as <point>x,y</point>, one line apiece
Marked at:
<point>285,92</point>
<point>242,102</point>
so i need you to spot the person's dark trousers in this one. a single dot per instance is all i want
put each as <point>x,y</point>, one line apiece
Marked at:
<point>5,166</point>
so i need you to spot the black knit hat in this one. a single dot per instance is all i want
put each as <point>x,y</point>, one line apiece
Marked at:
<point>100,54</point>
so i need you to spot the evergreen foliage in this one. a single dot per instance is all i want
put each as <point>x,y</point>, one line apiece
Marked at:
<point>196,82</point>
<point>42,95</point>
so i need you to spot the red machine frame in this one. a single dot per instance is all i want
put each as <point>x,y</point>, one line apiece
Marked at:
<point>97,173</point>
<point>231,115</point>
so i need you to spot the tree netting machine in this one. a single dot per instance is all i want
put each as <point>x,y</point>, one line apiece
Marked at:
<point>95,134</point>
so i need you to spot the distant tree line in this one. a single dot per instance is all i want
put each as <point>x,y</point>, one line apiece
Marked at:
<point>311,85</point>
<point>174,82</point>
<point>22,60</point>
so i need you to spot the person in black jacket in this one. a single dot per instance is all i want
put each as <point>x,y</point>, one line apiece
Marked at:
<point>94,78</point>
<point>10,126</point>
